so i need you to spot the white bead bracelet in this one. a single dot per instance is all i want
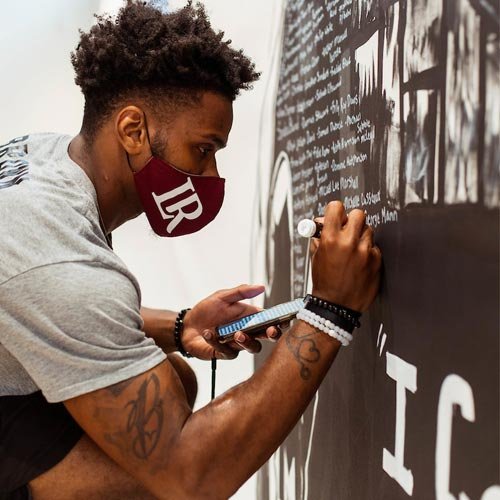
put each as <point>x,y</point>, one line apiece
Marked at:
<point>325,326</point>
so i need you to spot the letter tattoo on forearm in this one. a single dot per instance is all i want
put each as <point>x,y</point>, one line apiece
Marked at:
<point>303,347</point>
<point>145,418</point>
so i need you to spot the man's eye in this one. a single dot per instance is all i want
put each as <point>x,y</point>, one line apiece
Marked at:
<point>204,150</point>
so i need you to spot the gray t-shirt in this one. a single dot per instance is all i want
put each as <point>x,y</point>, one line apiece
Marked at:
<point>69,307</point>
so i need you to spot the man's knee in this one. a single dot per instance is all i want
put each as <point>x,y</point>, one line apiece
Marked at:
<point>187,376</point>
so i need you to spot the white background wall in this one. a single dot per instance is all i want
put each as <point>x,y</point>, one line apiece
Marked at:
<point>37,94</point>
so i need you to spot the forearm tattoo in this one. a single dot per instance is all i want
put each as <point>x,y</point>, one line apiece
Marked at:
<point>303,347</point>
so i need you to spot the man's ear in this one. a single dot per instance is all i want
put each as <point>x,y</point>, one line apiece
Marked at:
<point>130,127</point>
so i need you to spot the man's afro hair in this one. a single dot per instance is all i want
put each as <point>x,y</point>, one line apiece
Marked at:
<point>144,49</point>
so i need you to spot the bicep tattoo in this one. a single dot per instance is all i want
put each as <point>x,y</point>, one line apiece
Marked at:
<point>145,420</point>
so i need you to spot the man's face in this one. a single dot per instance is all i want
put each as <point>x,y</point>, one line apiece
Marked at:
<point>193,136</point>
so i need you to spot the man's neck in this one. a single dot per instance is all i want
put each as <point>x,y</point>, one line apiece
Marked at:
<point>116,196</point>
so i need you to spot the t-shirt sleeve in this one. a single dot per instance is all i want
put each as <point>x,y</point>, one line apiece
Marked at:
<point>75,327</point>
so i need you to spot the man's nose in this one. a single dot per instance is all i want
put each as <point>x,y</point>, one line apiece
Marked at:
<point>212,170</point>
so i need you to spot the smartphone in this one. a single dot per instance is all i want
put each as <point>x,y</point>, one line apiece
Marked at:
<point>258,322</point>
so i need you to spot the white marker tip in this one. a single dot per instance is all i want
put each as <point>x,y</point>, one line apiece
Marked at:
<point>306,228</point>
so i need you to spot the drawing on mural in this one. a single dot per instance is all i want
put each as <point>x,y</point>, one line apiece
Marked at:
<point>491,157</point>
<point>390,157</point>
<point>389,106</point>
<point>280,230</point>
<point>462,105</point>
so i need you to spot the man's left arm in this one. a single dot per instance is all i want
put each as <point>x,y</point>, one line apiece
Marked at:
<point>159,325</point>
<point>221,307</point>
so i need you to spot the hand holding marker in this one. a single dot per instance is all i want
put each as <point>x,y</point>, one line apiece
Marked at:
<point>308,228</point>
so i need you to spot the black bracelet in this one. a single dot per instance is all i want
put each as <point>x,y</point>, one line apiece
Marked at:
<point>336,319</point>
<point>178,328</point>
<point>344,313</point>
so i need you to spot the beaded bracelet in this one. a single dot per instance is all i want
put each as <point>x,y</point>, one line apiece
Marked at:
<point>178,328</point>
<point>325,326</point>
<point>343,312</point>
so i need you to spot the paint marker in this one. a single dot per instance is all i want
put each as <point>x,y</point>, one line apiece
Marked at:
<point>308,228</point>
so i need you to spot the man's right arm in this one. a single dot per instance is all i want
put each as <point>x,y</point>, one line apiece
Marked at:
<point>146,426</point>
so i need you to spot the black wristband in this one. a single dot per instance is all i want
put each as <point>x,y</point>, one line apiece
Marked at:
<point>178,328</point>
<point>344,323</point>
<point>346,316</point>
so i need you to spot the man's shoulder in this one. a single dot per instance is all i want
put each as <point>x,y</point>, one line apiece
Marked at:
<point>86,280</point>
<point>48,211</point>
<point>30,145</point>
<point>36,164</point>
<point>16,157</point>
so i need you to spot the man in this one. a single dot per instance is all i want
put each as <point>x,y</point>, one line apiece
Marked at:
<point>90,406</point>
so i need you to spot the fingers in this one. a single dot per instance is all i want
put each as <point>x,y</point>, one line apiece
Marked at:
<point>314,242</point>
<point>313,245</point>
<point>220,351</point>
<point>232,349</point>
<point>345,268</point>
<point>377,254</point>
<point>356,223</point>
<point>367,236</point>
<point>241,292</point>
<point>367,239</point>
<point>272,333</point>
<point>335,216</point>
<point>248,343</point>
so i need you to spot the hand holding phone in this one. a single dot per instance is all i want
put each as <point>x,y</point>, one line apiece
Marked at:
<point>258,322</point>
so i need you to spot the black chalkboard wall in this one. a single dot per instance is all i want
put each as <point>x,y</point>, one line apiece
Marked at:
<point>393,107</point>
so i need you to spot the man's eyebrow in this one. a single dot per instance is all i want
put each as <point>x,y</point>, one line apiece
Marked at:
<point>215,138</point>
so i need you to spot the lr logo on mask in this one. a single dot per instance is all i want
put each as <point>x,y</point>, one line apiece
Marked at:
<point>176,211</point>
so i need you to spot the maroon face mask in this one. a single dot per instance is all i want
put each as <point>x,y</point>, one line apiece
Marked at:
<point>177,203</point>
